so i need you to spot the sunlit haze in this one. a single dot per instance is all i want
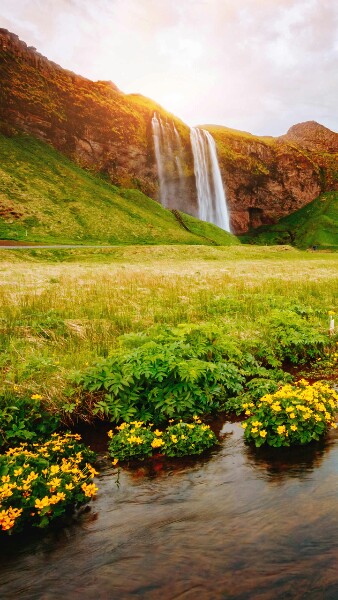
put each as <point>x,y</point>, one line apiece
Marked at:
<point>255,65</point>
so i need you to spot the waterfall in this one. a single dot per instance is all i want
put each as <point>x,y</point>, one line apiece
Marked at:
<point>168,153</point>
<point>210,192</point>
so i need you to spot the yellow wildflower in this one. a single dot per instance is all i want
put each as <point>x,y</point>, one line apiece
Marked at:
<point>91,470</point>
<point>55,482</point>
<point>40,504</point>
<point>157,443</point>
<point>55,498</point>
<point>122,426</point>
<point>89,489</point>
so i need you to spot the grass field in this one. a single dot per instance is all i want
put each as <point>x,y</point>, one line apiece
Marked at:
<point>62,309</point>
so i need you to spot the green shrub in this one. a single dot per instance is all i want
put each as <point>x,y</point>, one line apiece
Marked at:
<point>184,439</point>
<point>136,440</point>
<point>190,369</point>
<point>25,419</point>
<point>44,481</point>
<point>294,337</point>
<point>255,389</point>
<point>294,414</point>
<point>133,440</point>
<point>170,377</point>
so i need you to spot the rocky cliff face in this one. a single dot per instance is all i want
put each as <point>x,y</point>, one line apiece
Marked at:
<point>93,123</point>
<point>268,178</point>
<point>107,131</point>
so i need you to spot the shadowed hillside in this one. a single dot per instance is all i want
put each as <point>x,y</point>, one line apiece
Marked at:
<point>316,224</point>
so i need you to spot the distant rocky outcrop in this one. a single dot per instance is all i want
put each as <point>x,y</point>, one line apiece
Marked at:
<point>104,130</point>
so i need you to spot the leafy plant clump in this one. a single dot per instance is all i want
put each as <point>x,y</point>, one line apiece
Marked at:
<point>178,375</point>
<point>296,340</point>
<point>295,414</point>
<point>176,372</point>
<point>43,482</point>
<point>25,419</point>
<point>133,440</point>
<point>182,439</point>
<point>136,440</point>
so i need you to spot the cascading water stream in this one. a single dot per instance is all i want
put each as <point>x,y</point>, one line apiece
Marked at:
<point>158,144</point>
<point>168,152</point>
<point>212,205</point>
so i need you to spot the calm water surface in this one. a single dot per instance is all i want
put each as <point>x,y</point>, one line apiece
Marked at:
<point>241,523</point>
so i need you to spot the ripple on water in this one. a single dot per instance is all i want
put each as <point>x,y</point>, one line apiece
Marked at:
<point>239,523</point>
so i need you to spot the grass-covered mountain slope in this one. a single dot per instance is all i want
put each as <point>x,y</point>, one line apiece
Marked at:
<point>45,197</point>
<point>316,224</point>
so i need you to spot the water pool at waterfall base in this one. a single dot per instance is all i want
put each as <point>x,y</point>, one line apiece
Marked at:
<point>237,523</point>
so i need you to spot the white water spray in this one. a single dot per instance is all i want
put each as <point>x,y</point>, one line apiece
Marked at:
<point>168,152</point>
<point>212,205</point>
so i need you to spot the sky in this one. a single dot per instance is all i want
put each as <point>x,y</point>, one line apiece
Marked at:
<point>255,65</point>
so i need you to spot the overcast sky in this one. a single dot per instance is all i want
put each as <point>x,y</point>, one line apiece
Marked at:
<point>255,65</point>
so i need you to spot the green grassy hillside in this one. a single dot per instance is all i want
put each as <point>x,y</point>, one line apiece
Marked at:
<point>316,224</point>
<point>44,197</point>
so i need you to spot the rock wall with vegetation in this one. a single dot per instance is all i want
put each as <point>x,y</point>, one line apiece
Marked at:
<point>268,178</point>
<point>106,131</point>
<point>93,123</point>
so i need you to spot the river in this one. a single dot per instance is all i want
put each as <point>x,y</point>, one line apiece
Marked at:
<point>240,523</point>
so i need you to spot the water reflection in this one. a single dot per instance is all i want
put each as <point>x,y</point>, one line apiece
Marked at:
<point>238,524</point>
<point>278,464</point>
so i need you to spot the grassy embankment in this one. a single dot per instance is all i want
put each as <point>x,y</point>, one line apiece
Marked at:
<point>45,197</point>
<point>316,224</point>
<point>61,310</point>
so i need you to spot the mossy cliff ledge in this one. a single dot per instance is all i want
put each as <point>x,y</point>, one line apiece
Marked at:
<point>106,131</point>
